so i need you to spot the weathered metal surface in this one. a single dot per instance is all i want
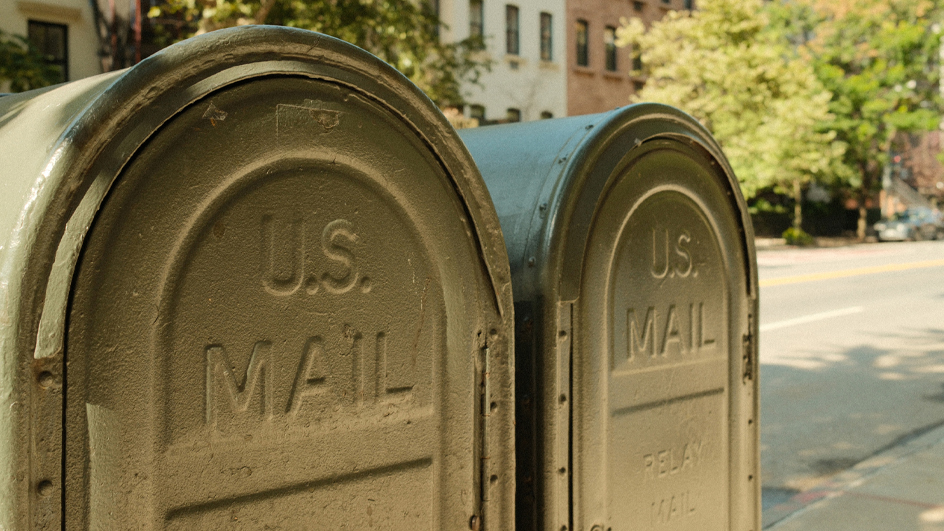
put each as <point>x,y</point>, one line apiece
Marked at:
<point>253,282</point>
<point>636,307</point>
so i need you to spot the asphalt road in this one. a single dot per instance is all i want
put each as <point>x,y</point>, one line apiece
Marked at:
<point>852,358</point>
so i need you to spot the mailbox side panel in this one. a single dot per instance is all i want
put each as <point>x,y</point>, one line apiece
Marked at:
<point>525,169</point>
<point>33,126</point>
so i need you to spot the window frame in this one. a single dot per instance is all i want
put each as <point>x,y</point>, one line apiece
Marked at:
<point>477,112</point>
<point>610,55</point>
<point>582,37</point>
<point>547,36</point>
<point>477,18</point>
<point>61,62</point>
<point>512,29</point>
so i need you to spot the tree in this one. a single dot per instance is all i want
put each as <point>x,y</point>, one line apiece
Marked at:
<point>880,60</point>
<point>748,86</point>
<point>404,33</point>
<point>118,32</point>
<point>23,66</point>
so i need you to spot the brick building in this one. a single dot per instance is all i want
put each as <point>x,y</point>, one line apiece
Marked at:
<point>599,74</point>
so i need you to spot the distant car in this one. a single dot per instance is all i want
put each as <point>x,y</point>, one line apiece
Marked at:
<point>912,224</point>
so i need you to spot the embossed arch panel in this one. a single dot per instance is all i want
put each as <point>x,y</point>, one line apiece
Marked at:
<point>653,420</point>
<point>276,324</point>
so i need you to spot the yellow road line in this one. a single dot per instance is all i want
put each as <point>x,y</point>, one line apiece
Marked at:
<point>850,273</point>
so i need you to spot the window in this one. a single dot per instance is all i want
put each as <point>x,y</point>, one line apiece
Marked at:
<point>666,1</point>
<point>514,115</point>
<point>583,58</point>
<point>434,5</point>
<point>637,62</point>
<point>511,30</point>
<point>638,86</point>
<point>547,51</point>
<point>546,115</point>
<point>477,112</point>
<point>609,39</point>
<point>476,18</point>
<point>638,6</point>
<point>689,4</point>
<point>52,40</point>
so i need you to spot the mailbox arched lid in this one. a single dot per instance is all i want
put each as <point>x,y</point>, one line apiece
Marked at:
<point>632,259</point>
<point>289,304</point>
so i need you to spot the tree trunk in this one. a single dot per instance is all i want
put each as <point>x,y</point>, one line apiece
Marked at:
<point>263,13</point>
<point>863,214</point>
<point>797,205</point>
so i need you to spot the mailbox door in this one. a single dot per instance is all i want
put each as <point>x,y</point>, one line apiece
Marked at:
<point>662,408</point>
<point>276,323</point>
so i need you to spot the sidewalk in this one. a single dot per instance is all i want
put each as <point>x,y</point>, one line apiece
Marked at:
<point>901,489</point>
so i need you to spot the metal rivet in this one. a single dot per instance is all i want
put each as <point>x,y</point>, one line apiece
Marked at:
<point>474,523</point>
<point>44,488</point>
<point>531,262</point>
<point>46,379</point>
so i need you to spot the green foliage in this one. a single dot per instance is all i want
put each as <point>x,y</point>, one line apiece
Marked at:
<point>746,83</point>
<point>880,60</point>
<point>23,66</point>
<point>795,236</point>
<point>763,206</point>
<point>404,33</point>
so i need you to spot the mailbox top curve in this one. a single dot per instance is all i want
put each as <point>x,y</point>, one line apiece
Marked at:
<point>548,194</point>
<point>323,164</point>
<point>52,139</point>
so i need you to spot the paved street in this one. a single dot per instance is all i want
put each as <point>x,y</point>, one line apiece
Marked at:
<point>852,360</point>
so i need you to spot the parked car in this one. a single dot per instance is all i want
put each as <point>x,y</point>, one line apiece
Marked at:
<point>912,224</point>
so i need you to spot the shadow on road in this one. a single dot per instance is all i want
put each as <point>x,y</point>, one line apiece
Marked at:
<point>836,406</point>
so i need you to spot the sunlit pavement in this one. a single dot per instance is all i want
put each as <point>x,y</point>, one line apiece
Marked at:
<point>852,367</point>
<point>901,489</point>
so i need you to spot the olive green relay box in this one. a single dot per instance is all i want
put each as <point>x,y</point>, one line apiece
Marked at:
<point>254,282</point>
<point>635,295</point>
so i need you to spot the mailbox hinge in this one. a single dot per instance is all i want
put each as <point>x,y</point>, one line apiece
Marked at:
<point>565,401</point>
<point>749,351</point>
<point>486,390</point>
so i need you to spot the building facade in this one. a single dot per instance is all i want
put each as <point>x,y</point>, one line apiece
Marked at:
<point>600,76</point>
<point>526,43</point>
<point>63,30</point>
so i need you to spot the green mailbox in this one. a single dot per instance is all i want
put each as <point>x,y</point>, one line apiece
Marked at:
<point>635,291</point>
<point>254,282</point>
